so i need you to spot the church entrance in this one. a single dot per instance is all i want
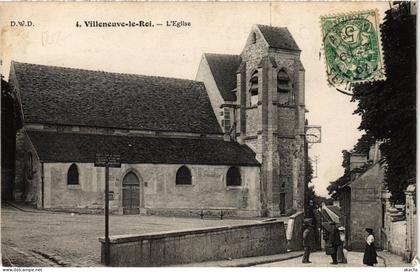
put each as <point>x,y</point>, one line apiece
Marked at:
<point>131,194</point>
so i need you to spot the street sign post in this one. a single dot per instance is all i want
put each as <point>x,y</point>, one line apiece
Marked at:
<point>107,160</point>
<point>312,136</point>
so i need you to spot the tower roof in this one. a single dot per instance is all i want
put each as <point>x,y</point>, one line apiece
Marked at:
<point>278,37</point>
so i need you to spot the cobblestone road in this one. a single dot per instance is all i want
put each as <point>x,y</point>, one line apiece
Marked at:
<point>37,238</point>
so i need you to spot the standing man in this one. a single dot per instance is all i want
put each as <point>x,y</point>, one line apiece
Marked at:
<point>333,242</point>
<point>307,239</point>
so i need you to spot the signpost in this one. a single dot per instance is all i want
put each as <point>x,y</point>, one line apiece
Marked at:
<point>107,160</point>
<point>312,136</point>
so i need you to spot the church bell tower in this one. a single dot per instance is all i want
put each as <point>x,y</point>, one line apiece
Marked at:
<point>270,115</point>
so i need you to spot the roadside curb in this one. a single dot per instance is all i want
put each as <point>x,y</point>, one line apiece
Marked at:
<point>270,261</point>
<point>247,261</point>
<point>383,259</point>
<point>13,205</point>
<point>20,208</point>
<point>392,260</point>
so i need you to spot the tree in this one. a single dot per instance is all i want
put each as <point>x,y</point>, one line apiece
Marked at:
<point>388,108</point>
<point>310,192</point>
<point>333,188</point>
<point>315,200</point>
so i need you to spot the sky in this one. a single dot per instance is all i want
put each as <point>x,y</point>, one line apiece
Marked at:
<point>52,38</point>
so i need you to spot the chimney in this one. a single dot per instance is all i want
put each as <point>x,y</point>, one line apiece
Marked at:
<point>357,160</point>
<point>375,152</point>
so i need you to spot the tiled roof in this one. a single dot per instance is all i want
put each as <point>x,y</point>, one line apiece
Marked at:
<point>278,37</point>
<point>58,95</point>
<point>76,147</point>
<point>223,67</point>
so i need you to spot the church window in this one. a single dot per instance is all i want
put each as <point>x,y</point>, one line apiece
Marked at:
<point>226,120</point>
<point>233,177</point>
<point>73,175</point>
<point>254,88</point>
<point>283,81</point>
<point>254,38</point>
<point>284,88</point>
<point>183,176</point>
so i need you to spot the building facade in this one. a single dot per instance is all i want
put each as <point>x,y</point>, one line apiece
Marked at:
<point>361,199</point>
<point>232,141</point>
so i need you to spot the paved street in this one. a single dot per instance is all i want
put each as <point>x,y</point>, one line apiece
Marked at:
<point>40,238</point>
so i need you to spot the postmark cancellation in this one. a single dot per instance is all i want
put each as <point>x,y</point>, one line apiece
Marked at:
<point>352,48</point>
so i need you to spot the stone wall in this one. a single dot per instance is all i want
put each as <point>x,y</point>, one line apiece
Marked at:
<point>28,175</point>
<point>191,246</point>
<point>366,206</point>
<point>400,225</point>
<point>397,235</point>
<point>412,223</point>
<point>158,192</point>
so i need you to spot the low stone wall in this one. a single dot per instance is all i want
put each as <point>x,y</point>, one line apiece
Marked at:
<point>198,245</point>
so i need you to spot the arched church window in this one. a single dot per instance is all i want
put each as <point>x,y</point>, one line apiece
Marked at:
<point>254,88</point>
<point>183,176</point>
<point>284,88</point>
<point>254,38</point>
<point>73,175</point>
<point>283,81</point>
<point>233,177</point>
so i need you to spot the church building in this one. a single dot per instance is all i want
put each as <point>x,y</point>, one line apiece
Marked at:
<point>230,141</point>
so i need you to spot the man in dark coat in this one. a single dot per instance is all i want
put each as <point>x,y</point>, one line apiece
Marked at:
<point>307,239</point>
<point>333,242</point>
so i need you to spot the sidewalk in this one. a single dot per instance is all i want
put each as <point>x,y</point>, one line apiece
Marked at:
<point>320,259</point>
<point>250,261</point>
<point>392,260</point>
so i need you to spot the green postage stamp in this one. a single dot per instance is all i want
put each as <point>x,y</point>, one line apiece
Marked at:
<point>352,47</point>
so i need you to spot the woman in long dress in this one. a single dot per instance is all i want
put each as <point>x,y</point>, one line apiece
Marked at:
<point>369,258</point>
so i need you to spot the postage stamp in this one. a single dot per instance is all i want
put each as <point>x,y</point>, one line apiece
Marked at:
<point>352,47</point>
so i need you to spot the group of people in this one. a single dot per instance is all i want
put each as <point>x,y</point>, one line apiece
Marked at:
<point>335,244</point>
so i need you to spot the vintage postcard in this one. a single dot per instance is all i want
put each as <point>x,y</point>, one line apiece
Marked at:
<point>211,134</point>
